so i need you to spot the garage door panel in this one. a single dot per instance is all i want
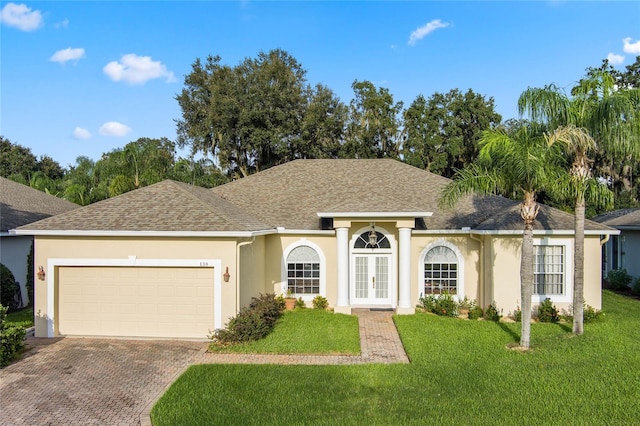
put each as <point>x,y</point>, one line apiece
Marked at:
<point>135,302</point>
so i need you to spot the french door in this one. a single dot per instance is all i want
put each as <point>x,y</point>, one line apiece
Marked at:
<point>371,279</point>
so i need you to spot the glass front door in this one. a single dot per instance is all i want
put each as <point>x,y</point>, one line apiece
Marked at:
<point>371,280</point>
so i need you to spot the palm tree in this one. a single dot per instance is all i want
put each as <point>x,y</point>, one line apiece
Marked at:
<point>597,111</point>
<point>579,185</point>
<point>520,165</point>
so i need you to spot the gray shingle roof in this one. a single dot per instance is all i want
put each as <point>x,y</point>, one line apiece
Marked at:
<point>292,194</point>
<point>622,217</point>
<point>164,206</point>
<point>20,205</point>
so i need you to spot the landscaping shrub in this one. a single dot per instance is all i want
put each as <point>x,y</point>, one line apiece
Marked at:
<point>618,279</point>
<point>253,322</point>
<point>591,314</point>
<point>475,312</point>
<point>492,313</point>
<point>446,306</point>
<point>320,302</point>
<point>635,288</point>
<point>300,303</point>
<point>11,340</point>
<point>428,303</point>
<point>517,315</point>
<point>547,312</point>
<point>8,286</point>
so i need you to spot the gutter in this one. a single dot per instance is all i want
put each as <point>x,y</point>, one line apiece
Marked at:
<point>238,246</point>
<point>480,239</point>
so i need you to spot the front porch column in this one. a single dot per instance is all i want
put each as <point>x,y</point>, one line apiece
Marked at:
<point>342,241</point>
<point>404,272</point>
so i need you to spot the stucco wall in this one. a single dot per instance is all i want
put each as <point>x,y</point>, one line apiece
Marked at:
<point>252,270</point>
<point>470,250</point>
<point>13,254</point>
<point>143,248</point>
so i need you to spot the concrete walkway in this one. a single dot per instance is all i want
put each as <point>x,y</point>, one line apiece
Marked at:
<point>86,381</point>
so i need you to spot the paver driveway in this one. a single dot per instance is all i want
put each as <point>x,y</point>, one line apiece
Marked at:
<point>77,381</point>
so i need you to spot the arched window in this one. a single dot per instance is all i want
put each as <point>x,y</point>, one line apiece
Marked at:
<point>441,271</point>
<point>382,242</point>
<point>303,271</point>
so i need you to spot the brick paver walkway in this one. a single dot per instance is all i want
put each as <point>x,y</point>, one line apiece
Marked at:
<point>77,381</point>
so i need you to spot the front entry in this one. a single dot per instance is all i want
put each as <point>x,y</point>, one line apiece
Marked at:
<point>371,280</point>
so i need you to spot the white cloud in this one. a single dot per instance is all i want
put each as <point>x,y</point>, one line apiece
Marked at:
<point>136,69</point>
<point>80,133</point>
<point>113,128</point>
<point>615,59</point>
<point>426,29</point>
<point>67,54</point>
<point>21,17</point>
<point>62,24</point>
<point>628,47</point>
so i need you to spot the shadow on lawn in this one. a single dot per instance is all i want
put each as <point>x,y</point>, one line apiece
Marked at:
<point>509,331</point>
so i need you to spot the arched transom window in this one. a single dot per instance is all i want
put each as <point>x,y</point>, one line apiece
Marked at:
<point>382,242</point>
<point>303,271</point>
<point>441,271</point>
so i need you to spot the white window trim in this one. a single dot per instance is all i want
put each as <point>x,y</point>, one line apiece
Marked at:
<point>323,269</point>
<point>133,261</point>
<point>567,243</point>
<point>460,285</point>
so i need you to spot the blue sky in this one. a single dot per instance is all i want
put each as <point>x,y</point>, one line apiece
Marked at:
<point>82,78</point>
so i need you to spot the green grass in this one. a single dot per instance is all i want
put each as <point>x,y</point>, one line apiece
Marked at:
<point>461,373</point>
<point>306,331</point>
<point>21,318</point>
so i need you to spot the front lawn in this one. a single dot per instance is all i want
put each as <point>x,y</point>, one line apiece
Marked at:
<point>22,318</point>
<point>460,373</point>
<point>306,331</point>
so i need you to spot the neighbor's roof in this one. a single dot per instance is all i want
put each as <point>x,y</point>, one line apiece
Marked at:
<point>20,205</point>
<point>623,218</point>
<point>164,206</point>
<point>291,195</point>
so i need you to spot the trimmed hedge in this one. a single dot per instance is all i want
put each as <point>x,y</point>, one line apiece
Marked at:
<point>11,340</point>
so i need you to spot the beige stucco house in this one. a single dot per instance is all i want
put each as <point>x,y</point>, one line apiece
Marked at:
<point>173,260</point>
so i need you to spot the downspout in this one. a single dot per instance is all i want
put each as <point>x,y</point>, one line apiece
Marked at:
<point>244,243</point>
<point>604,240</point>
<point>480,239</point>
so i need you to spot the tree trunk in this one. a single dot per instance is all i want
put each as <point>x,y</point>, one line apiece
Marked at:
<point>578,272</point>
<point>526,284</point>
<point>528,211</point>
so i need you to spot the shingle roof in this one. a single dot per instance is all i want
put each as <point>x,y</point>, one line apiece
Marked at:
<point>622,217</point>
<point>164,206</point>
<point>292,194</point>
<point>20,205</point>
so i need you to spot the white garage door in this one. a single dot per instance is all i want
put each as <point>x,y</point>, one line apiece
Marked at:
<point>135,301</point>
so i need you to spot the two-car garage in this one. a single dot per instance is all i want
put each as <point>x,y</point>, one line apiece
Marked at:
<point>135,301</point>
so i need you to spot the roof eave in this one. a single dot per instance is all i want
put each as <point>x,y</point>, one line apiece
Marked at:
<point>168,234</point>
<point>366,215</point>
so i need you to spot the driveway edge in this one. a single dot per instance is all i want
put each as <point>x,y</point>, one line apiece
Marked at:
<point>145,416</point>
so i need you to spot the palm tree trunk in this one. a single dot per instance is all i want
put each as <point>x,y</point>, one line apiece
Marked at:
<point>528,211</point>
<point>526,284</point>
<point>578,273</point>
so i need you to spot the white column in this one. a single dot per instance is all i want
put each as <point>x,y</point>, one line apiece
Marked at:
<point>342,241</point>
<point>404,272</point>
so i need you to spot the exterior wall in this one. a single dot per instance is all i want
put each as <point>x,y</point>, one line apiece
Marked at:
<point>121,248</point>
<point>275,268</point>
<point>14,251</point>
<point>252,271</point>
<point>504,273</point>
<point>628,251</point>
<point>470,250</point>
